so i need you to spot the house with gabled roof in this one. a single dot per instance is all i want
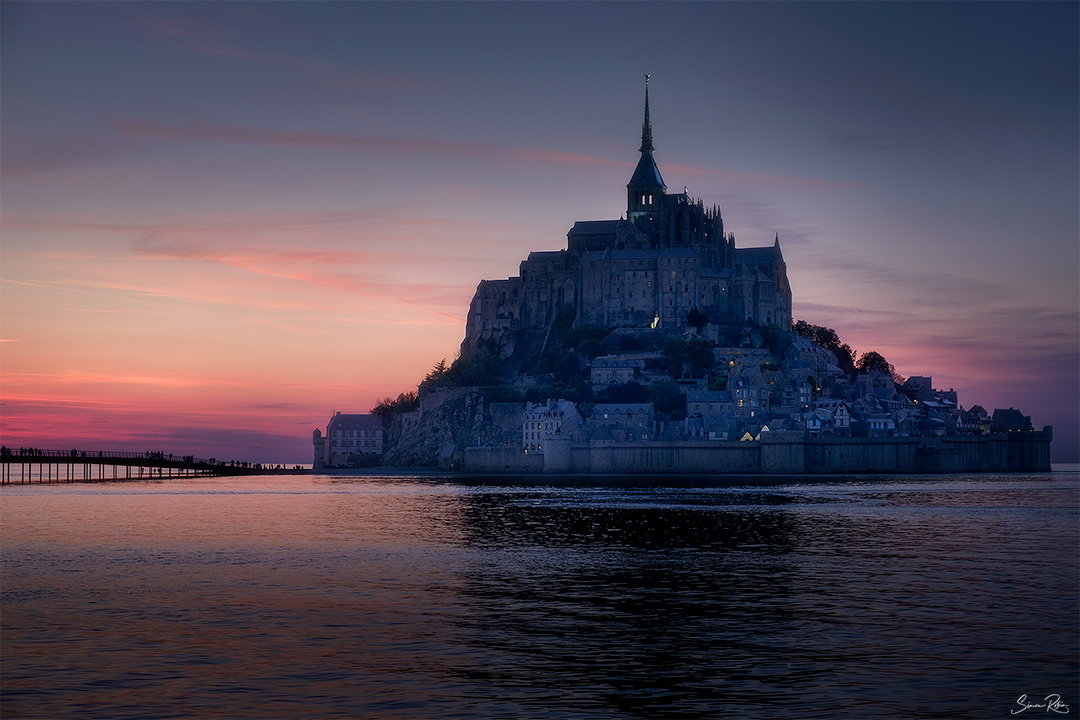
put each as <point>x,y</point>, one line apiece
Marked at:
<point>349,438</point>
<point>552,419</point>
<point>1010,420</point>
<point>626,422</point>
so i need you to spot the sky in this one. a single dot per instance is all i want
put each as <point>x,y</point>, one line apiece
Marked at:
<point>223,222</point>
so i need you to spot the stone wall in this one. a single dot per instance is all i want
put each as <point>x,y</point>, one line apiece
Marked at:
<point>507,416</point>
<point>861,455</point>
<point>1027,452</point>
<point>431,399</point>
<point>963,454</point>
<point>501,459</point>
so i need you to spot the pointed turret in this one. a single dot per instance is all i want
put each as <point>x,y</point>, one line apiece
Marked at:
<point>646,187</point>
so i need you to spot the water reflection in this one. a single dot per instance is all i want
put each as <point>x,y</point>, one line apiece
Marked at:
<point>616,520</point>
<point>766,604</point>
<point>367,598</point>
<point>650,632</point>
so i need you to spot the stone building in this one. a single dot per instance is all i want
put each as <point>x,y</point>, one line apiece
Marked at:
<point>622,422</point>
<point>550,420</point>
<point>615,370</point>
<point>347,435</point>
<point>668,255</point>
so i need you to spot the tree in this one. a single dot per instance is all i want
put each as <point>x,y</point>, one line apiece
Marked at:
<point>845,357</point>
<point>830,340</point>
<point>700,357</point>
<point>630,392</point>
<point>668,399</point>
<point>590,347</point>
<point>696,318</point>
<point>771,334</point>
<point>439,374</point>
<point>693,357</point>
<point>481,367</point>
<point>567,366</point>
<point>872,360</point>
<point>405,402</point>
<point>675,352</point>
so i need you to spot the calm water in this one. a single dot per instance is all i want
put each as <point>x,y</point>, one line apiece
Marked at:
<point>324,597</point>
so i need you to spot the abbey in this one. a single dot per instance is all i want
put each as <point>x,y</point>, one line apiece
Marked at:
<point>652,344</point>
<point>666,258</point>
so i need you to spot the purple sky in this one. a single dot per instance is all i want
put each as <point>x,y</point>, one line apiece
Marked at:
<point>223,221</point>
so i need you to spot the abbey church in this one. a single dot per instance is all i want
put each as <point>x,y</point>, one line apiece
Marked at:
<point>666,258</point>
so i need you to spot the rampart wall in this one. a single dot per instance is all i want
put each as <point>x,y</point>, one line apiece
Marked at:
<point>501,459</point>
<point>1016,452</point>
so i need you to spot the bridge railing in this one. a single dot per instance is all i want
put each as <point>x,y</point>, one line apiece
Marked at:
<point>24,453</point>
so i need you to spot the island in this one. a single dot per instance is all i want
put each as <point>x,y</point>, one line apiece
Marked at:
<point>654,344</point>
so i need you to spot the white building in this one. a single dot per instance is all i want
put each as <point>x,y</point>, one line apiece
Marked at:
<point>553,419</point>
<point>347,435</point>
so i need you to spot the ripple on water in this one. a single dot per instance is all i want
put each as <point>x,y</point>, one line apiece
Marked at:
<point>904,599</point>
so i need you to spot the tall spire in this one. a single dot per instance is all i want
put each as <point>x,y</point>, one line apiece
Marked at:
<point>646,127</point>
<point>646,187</point>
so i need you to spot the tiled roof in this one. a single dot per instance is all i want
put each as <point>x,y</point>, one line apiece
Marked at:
<point>646,174</point>
<point>590,227</point>
<point>343,421</point>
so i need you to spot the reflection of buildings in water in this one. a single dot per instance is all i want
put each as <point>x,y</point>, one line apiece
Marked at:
<point>626,520</point>
<point>626,601</point>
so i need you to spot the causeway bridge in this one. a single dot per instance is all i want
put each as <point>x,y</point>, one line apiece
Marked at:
<point>31,465</point>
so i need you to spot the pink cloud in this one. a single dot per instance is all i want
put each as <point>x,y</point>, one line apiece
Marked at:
<point>368,143</point>
<point>206,238</point>
<point>231,133</point>
<point>385,277</point>
<point>177,416</point>
<point>82,377</point>
<point>373,143</point>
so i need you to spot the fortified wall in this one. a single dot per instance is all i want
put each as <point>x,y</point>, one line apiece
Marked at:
<point>1012,452</point>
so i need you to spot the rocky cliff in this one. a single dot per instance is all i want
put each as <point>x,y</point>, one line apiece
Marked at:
<point>466,419</point>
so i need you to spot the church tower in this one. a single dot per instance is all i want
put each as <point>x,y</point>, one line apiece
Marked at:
<point>646,187</point>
